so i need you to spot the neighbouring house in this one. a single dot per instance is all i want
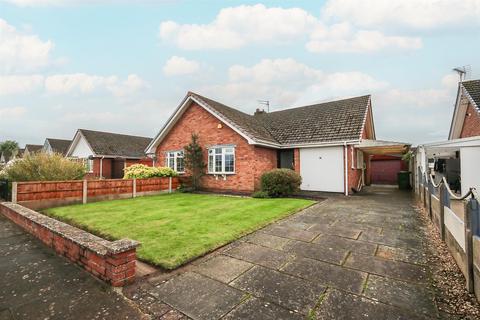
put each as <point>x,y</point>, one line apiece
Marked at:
<point>466,115</point>
<point>5,158</point>
<point>107,154</point>
<point>56,146</point>
<point>322,142</point>
<point>32,148</point>
<point>456,159</point>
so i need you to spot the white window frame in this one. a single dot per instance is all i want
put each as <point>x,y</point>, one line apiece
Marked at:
<point>88,163</point>
<point>224,152</point>
<point>175,157</point>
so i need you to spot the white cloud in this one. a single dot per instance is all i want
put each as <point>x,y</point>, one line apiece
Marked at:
<point>19,84</point>
<point>12,112</point>
<point>180,66</point>
<point>418,14</point>
<point>20,51</point>
<point>341,38</point>
<point>236,27</point>
<point>240,26</point>
<point>81,83</point>
<point>287,82</point>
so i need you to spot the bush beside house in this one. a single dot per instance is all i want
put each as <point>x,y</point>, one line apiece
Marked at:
<point>141,171</point>
<point>279,183</point>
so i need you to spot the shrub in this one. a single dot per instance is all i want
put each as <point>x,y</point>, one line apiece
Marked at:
<point>44,167</point>
<point>280,182</point>
<point>260,195</point>
<point>141,171</point>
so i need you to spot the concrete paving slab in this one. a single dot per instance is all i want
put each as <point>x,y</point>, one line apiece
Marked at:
<point>389,268</point>
<point>223,268</point>
<point>259,255</point>
<point>327,274</point>
<point>290,292</point>
<point>267,240</point>
<point>401,294</point>
<point>292,233</point>
<point>347,244</point>
<point>316,251</point>
<point>198,297</point>
<point>402,254</point>
<point>345,306</point>
<point>334,230</point>
<point>255,309</point>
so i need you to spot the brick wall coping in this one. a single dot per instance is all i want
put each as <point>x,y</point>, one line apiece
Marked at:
<point>84,239</point>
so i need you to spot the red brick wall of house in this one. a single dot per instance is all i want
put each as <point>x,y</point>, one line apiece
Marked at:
<point>197,120</point>
<point>296,160</point>
<point>265,160</point>
<point>471,123</point>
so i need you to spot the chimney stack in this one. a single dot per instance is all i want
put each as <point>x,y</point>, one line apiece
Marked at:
<point>258,112</point>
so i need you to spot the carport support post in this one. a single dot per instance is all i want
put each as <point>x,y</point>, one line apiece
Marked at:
<point>84,192</point>
<point>444,202</point>
<point>471,226</point>
<point>14,191</point>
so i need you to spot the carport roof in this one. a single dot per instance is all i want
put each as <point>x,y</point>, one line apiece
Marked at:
<point>383,147</point>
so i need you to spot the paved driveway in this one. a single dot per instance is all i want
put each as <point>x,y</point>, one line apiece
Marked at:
<point>37,284</point>
<point>346,258</point>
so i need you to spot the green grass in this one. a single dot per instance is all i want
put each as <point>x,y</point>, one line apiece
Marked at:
<point>175,228</point>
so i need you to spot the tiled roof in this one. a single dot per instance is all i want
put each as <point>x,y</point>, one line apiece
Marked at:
<point>323,122</point>
<point>116,145</point>
<point>473,89</point>
<point>34,147</point>
<point>59,145</point>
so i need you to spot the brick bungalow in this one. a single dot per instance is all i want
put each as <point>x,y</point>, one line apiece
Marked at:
<point>106,154</point>
<point>56,146</point>
<point>320,141</point>
<point>466,115</point>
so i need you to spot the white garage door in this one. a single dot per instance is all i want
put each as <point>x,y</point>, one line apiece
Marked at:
<point>322,169</point>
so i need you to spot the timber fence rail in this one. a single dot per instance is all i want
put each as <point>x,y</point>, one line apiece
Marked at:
<point>40,195</point>
<point>457,219</point>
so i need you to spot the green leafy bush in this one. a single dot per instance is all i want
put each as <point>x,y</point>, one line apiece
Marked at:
<point>141,171</point>
<point>280,182</point>
<point>43,167</point>
<point>260,195</point>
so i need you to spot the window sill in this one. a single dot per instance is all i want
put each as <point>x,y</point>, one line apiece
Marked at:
<point>221,174</point>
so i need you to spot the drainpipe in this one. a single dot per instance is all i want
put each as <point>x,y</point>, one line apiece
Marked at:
<point>345,153</point>
<point>101,167</point>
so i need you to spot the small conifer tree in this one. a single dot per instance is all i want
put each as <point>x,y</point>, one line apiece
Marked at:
<point>194,161</point>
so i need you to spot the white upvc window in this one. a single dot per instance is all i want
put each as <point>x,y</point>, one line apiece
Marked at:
<point>221,160</point>
<point>174,160</point>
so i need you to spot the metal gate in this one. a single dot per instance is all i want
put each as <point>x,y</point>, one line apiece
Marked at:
<point>5,193</point>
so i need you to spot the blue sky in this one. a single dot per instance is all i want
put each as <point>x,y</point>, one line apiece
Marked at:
<point>123,67</point>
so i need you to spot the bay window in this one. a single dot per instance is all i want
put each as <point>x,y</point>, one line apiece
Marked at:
<point>174,160</point>
<point>221,160</point>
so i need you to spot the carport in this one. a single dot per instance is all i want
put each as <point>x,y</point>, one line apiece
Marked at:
<point>383,160</point>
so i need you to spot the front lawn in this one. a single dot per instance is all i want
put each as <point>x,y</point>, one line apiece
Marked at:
<point>175,228</point>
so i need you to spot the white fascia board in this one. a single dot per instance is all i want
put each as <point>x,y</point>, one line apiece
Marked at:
<point>457,119</point>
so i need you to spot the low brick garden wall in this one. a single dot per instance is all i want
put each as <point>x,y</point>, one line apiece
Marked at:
<point>110,261</point>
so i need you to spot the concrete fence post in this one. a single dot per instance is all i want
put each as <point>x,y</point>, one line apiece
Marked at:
<point>85,192</point>
<point>134,188</point>
<point>444,202</point>
<point>14,191</point>
<point>169,184</point>
<point>471,217</point>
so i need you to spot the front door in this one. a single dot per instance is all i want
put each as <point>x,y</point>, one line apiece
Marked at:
<point>117,168</point>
